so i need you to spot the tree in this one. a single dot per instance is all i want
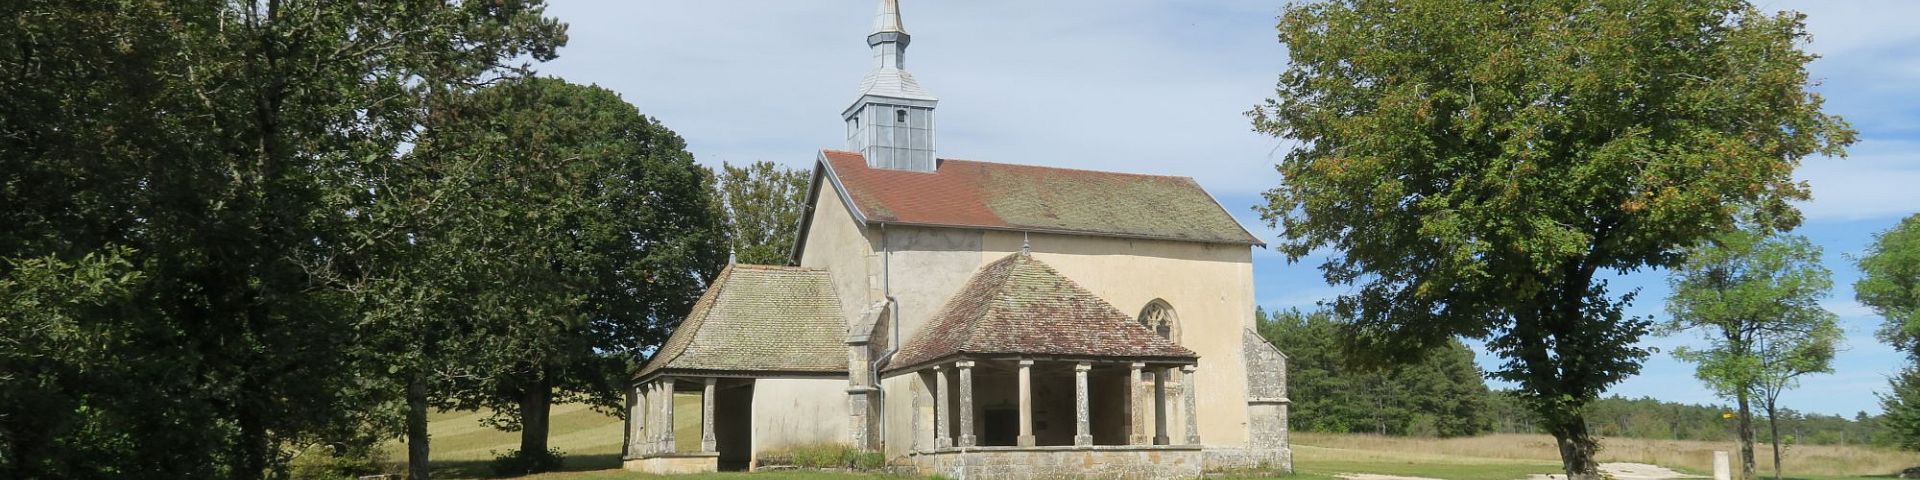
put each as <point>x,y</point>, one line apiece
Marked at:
<point>1890,284</point>
<point>763,202</point>
<point>1756,299</point>
<point>207,145</point>
<point>598,224</point>
<point>1442,395</point>
<point>1474,167</point>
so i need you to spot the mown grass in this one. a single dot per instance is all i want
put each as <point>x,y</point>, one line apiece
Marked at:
<point>462,448</point>
<point>1696,457</point>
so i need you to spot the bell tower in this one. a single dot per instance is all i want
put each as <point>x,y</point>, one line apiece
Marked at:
<point>892,121</point>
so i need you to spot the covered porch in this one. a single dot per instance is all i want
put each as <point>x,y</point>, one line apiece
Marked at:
<point>1025,374</point>
<point>1052,402</point>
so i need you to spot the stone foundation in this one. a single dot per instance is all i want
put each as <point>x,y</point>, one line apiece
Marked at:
<point>1022,463</point>
<point>675,464</point>
<point>1232,459</point>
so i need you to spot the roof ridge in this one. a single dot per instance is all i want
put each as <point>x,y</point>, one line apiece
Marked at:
<point>696,318</point>
<point>1030,165</point>
<point>1001,272</point>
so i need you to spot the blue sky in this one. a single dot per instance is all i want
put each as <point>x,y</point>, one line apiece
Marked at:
<point>1160,87</point>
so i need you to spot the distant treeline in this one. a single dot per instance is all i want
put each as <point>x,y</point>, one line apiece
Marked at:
<point>1445,395</point>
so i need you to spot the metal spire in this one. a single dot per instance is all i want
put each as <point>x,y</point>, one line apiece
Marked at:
<point>889,18</point>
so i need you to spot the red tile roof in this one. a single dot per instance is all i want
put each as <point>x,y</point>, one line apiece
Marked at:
<point>1021,306</point>
<point>966,193</point>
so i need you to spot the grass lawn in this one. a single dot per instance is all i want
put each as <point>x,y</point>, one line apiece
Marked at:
<point>462,448</point>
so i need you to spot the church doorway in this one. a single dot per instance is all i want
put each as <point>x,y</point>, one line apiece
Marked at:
<point>733,423</point>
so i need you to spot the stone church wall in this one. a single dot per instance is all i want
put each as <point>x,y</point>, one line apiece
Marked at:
<point>795,411</point>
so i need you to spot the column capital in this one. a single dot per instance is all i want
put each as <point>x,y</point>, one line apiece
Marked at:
<point>1026,363</point>
<point>965,364</point>
<point>712,380</point>
<point>1082,367</point>
<point>1188,368</point>
<point>1137,365</point>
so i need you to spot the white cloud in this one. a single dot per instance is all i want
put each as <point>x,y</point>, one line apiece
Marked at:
<point>1880,179</point>
<point>1159,87</point>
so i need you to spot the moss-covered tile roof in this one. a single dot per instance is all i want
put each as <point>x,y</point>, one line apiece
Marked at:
<point>966,193</point>
<point>1019,305</point>
<point>759,319</point>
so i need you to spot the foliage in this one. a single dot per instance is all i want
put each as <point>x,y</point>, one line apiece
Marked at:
<point>763,202</point>
<point>335,462</point>
<point>824,455</point>
<point>595,220</point>
<point>1649,418</point>
<point>516,462</point>
<point>212,140</point>
<point>1474,166</point>
<point>1442,395</point>
<point>1890,284</point>
<point>1902,405</point>
<point>1756,299</point>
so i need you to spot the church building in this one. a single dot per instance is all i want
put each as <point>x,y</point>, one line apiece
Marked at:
<point>975,319</point>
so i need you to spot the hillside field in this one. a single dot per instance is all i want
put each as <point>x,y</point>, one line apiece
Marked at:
<point>462,447</point>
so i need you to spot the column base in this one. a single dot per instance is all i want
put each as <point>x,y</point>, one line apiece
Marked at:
<point>1193,440</point>
<point>1140,440</point>
<point>1027,441</point>
<point>1083,440</point>
<point>943,443</point>
<point>1162,440</point>
<point>966,441</point>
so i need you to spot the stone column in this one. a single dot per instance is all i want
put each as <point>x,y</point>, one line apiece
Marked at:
<point>942,409</point>
<point>706,417</point>
<point>1082,426</point>
<point>1192,393</point>
<point>1160,406</point>
<point>966,402</point>
<point>635,407</point>
<point>1026,403</point>
<point>666,416</point>
<point>645,441</point>
<point>1136,407</point>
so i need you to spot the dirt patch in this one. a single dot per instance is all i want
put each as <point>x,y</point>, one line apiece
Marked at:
<point>1628,471</point>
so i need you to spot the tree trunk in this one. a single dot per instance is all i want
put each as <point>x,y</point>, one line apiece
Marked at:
<point>535,402</point>
<point>417,449</point>
<point>1746,436</point>
<point>1577,448</point>
<point>1773,425</point>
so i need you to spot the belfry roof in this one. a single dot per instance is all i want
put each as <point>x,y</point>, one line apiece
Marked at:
<point>759,319</point>
<point>1019,305</point>
<point>963,193</point>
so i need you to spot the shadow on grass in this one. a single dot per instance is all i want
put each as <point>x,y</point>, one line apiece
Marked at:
<point>484,468</point>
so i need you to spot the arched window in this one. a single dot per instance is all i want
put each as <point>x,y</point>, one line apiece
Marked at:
<point>1158,316</point>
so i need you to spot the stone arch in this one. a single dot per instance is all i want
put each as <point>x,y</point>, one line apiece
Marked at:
<point>1160,317</point>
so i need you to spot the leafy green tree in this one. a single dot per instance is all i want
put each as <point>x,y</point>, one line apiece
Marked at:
<point>211,141</point>
<point>597,233</point>
<point>1442,395</point>
<point>763,203</point>
<point>1903,408</point>
<point>1890,284</point>
<point>1474,167</point>
<point>1756,299</point>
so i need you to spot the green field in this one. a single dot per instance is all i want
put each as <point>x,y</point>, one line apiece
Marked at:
<point>462,447</point>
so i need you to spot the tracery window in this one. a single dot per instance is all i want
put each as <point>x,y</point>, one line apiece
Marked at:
<point>1158,316</point>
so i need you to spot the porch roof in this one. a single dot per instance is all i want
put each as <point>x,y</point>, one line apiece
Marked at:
<point>1019,305</point>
